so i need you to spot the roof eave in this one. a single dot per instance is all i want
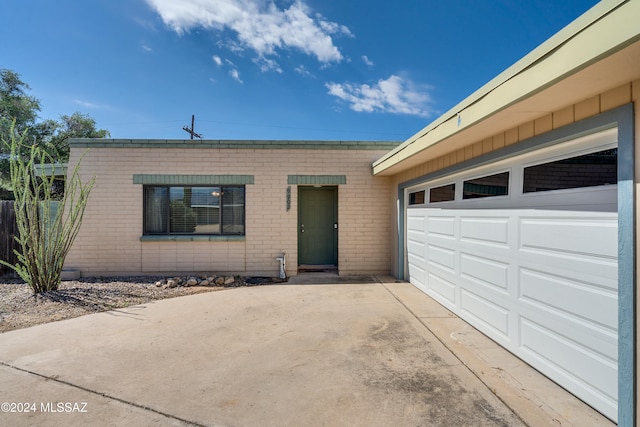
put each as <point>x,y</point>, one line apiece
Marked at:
<point>601,31</point>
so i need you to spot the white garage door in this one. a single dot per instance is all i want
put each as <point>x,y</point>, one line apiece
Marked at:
<point>526,251</point>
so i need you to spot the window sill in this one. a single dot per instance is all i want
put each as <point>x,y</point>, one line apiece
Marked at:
<point>191,238</point>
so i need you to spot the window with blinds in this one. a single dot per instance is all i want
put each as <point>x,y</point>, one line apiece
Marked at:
<point>194,210</point>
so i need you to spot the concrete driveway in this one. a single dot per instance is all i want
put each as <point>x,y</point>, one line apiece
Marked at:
<point>366,354</point>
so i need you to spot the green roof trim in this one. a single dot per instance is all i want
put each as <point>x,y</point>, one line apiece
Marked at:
<point>51,169</point>
<point>193,179</point>
<point>232,144</point>
<point>317,179</point>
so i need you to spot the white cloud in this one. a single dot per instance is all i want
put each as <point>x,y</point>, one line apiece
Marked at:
<point>259,24</point>
<point>236,75</point>
<point>92,105</point>
<point>146,48</point>
<point>267,64</point>
<point>217,60</point>
<point>332,27</point>
<point>367,61</point>
<point>302,70</point>
<point>393,95</point>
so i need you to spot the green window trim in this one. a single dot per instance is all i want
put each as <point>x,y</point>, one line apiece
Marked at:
<point>187,180</point>
<point>191,238</point>
<point>316,179</point>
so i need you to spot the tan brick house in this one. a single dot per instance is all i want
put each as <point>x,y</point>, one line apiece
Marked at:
<point>162,206</point>
<point>516,209</point>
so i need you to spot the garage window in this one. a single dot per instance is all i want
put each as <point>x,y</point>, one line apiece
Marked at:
<point>486,186</point>
<point>589,170</point>
<point>417,197</point>
<point>444,193</point>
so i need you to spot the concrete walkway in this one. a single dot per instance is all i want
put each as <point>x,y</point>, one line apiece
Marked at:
<point>348,354</point>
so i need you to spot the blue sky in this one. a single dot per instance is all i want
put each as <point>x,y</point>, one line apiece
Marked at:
<point>259,69</point>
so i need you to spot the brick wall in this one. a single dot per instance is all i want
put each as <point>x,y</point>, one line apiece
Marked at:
<point>109,241</point>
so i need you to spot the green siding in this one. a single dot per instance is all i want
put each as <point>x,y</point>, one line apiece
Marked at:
<point>193,179</point>
<point>317,179</point>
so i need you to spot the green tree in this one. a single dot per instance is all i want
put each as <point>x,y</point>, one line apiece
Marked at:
<point>18,110</point>
<point>19,114</point>
<point>47,227</point>
<point>77,125</point>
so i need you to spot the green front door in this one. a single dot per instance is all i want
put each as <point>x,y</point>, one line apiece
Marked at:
<point>318,226</point>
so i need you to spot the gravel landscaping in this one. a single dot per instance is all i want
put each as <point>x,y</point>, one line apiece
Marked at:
<point>19,308</point>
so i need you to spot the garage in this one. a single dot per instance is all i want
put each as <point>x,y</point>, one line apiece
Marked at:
<point>524,247</point>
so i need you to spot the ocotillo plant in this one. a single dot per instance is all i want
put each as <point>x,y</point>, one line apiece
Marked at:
<point>45,233</point>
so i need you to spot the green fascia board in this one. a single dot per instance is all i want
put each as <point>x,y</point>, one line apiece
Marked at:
<point>51,169</point>
<point>193,179</point>
<point>232,144</point>
<point>317,179</point>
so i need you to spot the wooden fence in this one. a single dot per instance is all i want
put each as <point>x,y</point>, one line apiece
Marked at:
<point>8,229</point>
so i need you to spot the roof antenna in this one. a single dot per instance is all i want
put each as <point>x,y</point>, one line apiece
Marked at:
<point>190,131</point>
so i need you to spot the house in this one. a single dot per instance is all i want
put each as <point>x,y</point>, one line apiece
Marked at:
<point>516,209</point>
<point>161,207</point>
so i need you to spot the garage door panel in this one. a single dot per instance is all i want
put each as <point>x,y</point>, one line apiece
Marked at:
<point>416,218</point>
<point>417,271</point>
<point>529,283</point>
<point>491,315</point>
<point>441,257</point>
<point>597,339</point>
<point>584,301</point>
<point>441,226</point>
<point>415,243</point>
<point>569,362</point>
<point>488,230</point>
<point>416,248</point>
<point>490,272</point>
<point>442,289</point>
<point>573,235</point>
<point>601,272</point>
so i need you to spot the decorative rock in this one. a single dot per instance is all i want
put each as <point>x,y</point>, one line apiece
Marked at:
<point>159,283</point>
<point>211,279</point>
<point>178,280</point>
<point>229,280</point>
<point>205,282</point>
<point>191,282</point>
<point>219,281</point>
<point>171,283</point>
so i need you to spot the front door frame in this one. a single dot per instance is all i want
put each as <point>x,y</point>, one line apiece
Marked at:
<point>332,222</point>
